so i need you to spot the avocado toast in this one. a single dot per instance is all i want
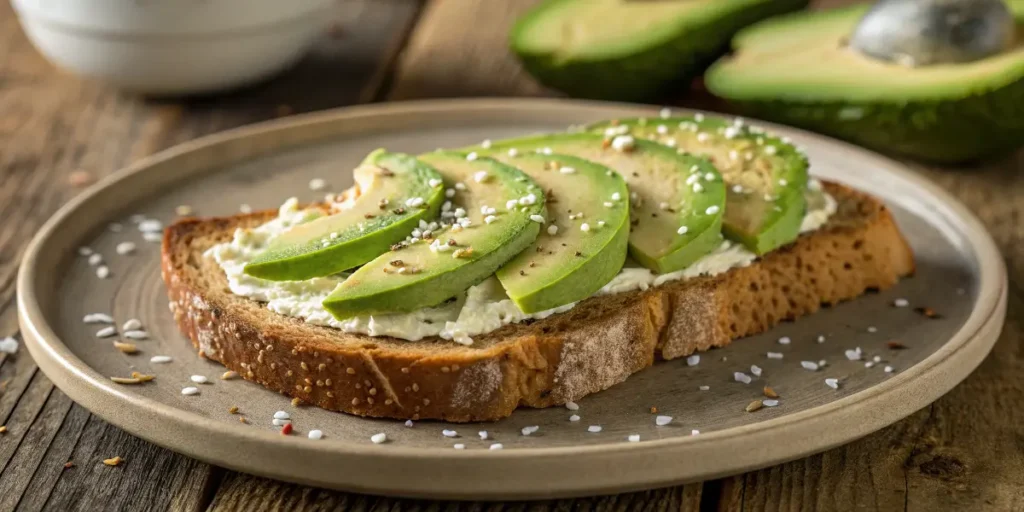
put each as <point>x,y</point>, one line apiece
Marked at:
<point>546,333</point>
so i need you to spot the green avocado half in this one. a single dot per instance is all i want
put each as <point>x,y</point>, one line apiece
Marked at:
<point>630,50</point>
<point>765,176</point>
<point>798,70</point>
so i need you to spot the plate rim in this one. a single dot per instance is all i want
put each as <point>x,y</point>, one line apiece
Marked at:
<point>970,344</point>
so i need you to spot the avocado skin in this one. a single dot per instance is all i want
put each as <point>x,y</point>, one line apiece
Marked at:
<point>941,131</point>
<point>648,75</point>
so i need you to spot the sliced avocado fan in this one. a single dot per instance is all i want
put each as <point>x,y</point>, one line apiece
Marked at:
<point>798,70</point>
<point>630,50</point>
<point>566,264</point>
<point>676,200</point>
<point>765,176</point>
<point>480,230</point>
<point>394,192</point>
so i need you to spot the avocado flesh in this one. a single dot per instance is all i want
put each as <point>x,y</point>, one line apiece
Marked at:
<point>764,176</point>
<point>797,70</point>
<point>672,190</point>
<point>377,218</point>
<point>417,276</point>
<point>570,264</point>
<point>629,50</point>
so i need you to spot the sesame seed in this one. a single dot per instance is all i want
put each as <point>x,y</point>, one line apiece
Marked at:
<point>160,359</point>
<point>877,359</point>
<point>244,208</point>
<point>131,325</point>
<point>584,227</point>
<point>490,219</point>
<point>889,369</point>
<point>709,176</point>
<point>901,303</point>
<point>665,113</point>
<point>616,196</point>
<point>379,438</point>
<point>770,150</point>
<point>774,355</point>
<point>741,377</point>
<point>151,226</point>
<point>633,438</point>
<point>199,379</point>
<point>682,230</point>
<point>623,143</point>
<point>832,383</point>
<point>593,429</point>
<point>480,176</point>
<point>98,318</point>
<point>449,433</point>
<point>868,364</point>
<point>572,406</point>
<point>449,193</point>
<point>694,432</point>
<point>84,251</point>
<point>872,329</point>
<point>102,272</point>
<point>574,418</point>
<point>703,388</point>
<point>769,403</point>
<point>608,204</point>
<point>434,182</point>
<point>228,375</point>
<point>459,446</point>
<point>472,156</point>
<point>661,421</point>
<point>315,434</point>
<point>513,152</point>
<point>125,248</point>
<point>496,446</point>
<point>693,360</point>
<point>189,391</point>
<point>713,209</point>
<point>486,143</point>
<point>317,184</point>
<point>809,365</point>
<point>530,430</point>
<point>552,229</point>
<point>756,370</point>
<point>697,187</point>
<point>537,218</point>
<point>106,332</point>
<point>821,338</point>
<point>136,335</point>
<point>152,237</point>
<point>853,355</point>
<point>784,340</point>
<point>282,415</point>
<point>567,170</point>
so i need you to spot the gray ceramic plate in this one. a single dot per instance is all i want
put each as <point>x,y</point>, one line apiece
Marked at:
<point>961,276</point>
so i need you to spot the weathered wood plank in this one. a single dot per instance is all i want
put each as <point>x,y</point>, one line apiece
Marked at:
<point>250,493</point>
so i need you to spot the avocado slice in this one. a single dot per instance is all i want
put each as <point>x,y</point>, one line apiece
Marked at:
<point>480,230</point>
<point>765,177</point>
<point>566,264</point>
<point>676,200</point>
<point>629,50</point>
<point>394,192</point>
<point>798,70</point>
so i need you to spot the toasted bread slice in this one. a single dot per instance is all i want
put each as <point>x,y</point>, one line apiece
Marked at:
<point>597,344</point>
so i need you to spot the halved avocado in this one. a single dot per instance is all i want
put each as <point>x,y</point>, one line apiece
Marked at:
<point>676,200</point>
<point>565,265</point>
<point>628,49</point>
<point>393,192</point>
<point>765,176</point>
<point>481,230</point>
<point>798,70</point>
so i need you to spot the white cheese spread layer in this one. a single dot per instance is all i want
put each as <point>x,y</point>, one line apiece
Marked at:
<point>484,307</point>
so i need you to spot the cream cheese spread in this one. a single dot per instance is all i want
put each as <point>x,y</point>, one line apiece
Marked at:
<point>484,307</point>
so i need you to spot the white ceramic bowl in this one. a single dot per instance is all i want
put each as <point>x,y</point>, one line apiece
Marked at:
<point>173,46</point>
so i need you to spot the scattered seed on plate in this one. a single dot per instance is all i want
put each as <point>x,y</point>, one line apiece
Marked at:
<point>753,406</point>
<point>822,363</point>
<point>409,423</point>
<point>449,433</point>
<point>832,383</point>
<point>84,251</point>
<point>809,365</point>
<point>279,422</point>
<point>869,364</point>
<point>497,446</point>
<point>530,430</point>
<point>704,388</point>
<point>98,318</point>
<point>125,248</point>
<point>127,348</point>
<point>315,434</point>
<point>594,429</point>
<point>889,369</point>
<point>106,332</point>
<point>741,377</point>
<point>317,184</point>
<point>756,370</point>
<point>769,403</point>
<point>233,409</point>
<point>151,226</point>
<point>694,432</point>
<point>769,392</point>
<point>379,438</point>
<point>872,329</point>
<point>228,375</point>
<point>572,406</point>
<point>784,340</point>
<point>774,355</point>
<point>131,325</point>
<point>693,360</point>
<point>821,338</point>
<point>574,417</point>
<point>901,303</point>
<point>95,259</point>
<point>136,335</point>
<point>152,237</point>
<point>459,446</point>
<point>633,438</point>
<point>877,359</point>
<point>189,391</point>
<point>661,421</point>
<point>282,415</point>
<point>102,272</point>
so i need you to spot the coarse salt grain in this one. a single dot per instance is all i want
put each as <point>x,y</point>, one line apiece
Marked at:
<point>483,435</point>
<point>189,391</point>
<point>315,434</point>
<point>633,438</point>
<point>693,360</point>
<point>661,421</point>
<point>8,345</point>
<point>379,438</point>
<point>809,365</point>
<point>409,423</point>
<point>756,370</point>
<point>832,383</point>
<point>741,377</point>
<point>593,429</point>
<point>160,359</point>
<point>125,248</point>
<point>434,182</point>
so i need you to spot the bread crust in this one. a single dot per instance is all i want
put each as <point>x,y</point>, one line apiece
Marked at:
<point>597,344</point>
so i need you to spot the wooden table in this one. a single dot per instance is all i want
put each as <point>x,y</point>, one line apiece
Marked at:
<point>964,452</point>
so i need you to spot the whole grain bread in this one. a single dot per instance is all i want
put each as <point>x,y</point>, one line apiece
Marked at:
<point>597,344</point>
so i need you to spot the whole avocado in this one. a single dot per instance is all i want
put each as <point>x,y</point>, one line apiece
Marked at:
<point>797,70</point>
<point>627,50</point>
